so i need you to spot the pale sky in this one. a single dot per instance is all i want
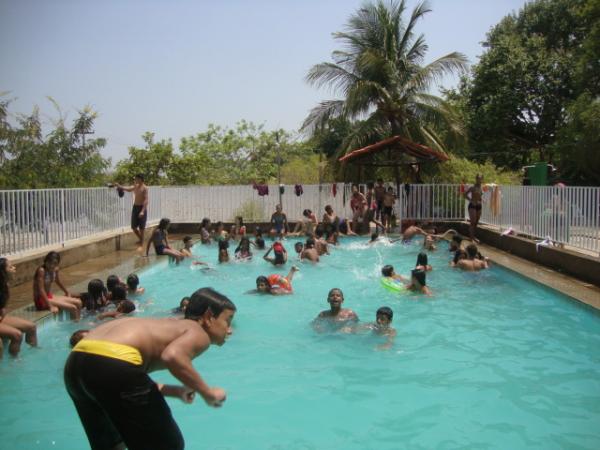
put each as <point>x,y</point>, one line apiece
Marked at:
<point>174,66</point>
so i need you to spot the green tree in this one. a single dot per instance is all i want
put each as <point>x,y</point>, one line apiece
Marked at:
<point>63,158</point>
<point>382,79</point>
<point>154,161</point>
<point>524,82</point>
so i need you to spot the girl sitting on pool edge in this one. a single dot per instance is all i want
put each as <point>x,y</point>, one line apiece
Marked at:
<point>275,284</point>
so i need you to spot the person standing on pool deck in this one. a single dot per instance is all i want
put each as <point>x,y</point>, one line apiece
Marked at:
<point>475,196</point>
<point>106,374</point>
<point>139,212</point>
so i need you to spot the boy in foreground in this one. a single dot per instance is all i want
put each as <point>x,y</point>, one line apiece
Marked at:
<point>106,374</point>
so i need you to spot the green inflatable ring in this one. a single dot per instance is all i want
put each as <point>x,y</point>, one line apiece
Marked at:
<point>393,285</point>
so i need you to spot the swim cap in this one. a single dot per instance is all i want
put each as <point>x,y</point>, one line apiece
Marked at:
<point>277,247</point>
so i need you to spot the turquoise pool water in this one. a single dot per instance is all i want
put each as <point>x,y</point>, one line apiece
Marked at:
<point>490,361</point>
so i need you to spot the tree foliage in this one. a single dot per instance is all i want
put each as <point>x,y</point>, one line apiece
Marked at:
<point>63,157</point>
<point>524,92</point>
<point>381,79</point>
<point>219,155</point>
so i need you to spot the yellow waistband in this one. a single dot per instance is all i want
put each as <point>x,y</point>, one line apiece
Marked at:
<point>110,350</point>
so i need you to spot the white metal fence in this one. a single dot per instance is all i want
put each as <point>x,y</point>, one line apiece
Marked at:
<point>38,218</point>
<point>567,215</point>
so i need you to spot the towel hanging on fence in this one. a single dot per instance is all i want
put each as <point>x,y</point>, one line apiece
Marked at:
<point>298,190</point>
<point>262,189</point>
<point>495,202</point>
<point>334,189</point>
<point>281,189</point>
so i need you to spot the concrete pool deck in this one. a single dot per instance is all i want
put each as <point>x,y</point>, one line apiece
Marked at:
<point>125,261</point>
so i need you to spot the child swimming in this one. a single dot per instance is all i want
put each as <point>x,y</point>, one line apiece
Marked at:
<point>223,253</point>
<point>309,252</point>
<point>279,252</point>
<point>124,307</point>
<point>133,285</point>
<point>422,262</point>
<point>336,317</point>
<point>418,282</point>
<point>96,296</point>
<point>243,249</point>
<point>275,284</point>
<point>383,326</point>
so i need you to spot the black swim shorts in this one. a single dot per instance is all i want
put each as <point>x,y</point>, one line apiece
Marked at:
<point>118,402</point>
<point>136,220</point>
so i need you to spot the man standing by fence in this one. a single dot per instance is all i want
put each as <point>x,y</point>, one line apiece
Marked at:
<point>139,212</point>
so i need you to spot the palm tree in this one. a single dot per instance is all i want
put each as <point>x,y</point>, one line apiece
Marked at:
<point>380,76</point>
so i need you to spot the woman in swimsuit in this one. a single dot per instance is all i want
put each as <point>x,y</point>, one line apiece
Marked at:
<point>161,242</point>
<point>474,195</point>
<point>43,278</point>
<point>11,327</point>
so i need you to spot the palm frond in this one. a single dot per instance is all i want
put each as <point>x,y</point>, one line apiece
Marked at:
<point>331,74</point>
<point>321,114</point>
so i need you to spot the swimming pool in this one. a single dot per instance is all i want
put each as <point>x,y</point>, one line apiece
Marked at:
<point>491,360</point>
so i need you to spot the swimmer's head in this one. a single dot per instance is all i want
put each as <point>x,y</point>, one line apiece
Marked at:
<point>328,209</point>
<point>458,255</point>
<point>77,336</point>
<point>387,271</point>
<point>260,243</point>
<point>278,208</point>
<point>239,220</point>
<point>133,281</point>
<point>185,301</point>
<point>187,241</point>
<point>262,284</point>
<point>126,306</point>
<point>298,246</point>
<point>112,281</point>
<point>384,316</point>
<point>119,293</point>
<point>96,288</point>
<point>379,181</point>
<point>374,237</point>
<point>479,178</point>
<point>138,178</point>
<point>223,244</point>
<point>306,213</point>
<point>422,259</point>
<point>335,297</point>
<point>310,243</point>
<point>258,232</point>
<point>472,251</point>
<point>418,277</point>
<point>164,224</point>
<point>205,222</point>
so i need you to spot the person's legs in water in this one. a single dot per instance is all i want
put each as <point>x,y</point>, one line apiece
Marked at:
<point>14,336</point>
<point>25,326</point>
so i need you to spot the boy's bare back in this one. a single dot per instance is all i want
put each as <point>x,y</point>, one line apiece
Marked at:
<point>152,336</point>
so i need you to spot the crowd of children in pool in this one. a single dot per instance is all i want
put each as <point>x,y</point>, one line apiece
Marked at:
<point>113,299</point>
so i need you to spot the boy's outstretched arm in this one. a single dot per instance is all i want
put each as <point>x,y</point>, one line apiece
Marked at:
<point>177,358</point>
